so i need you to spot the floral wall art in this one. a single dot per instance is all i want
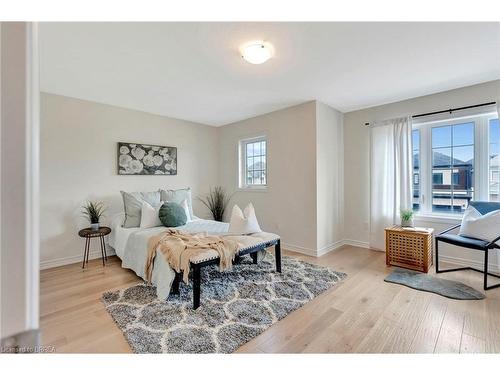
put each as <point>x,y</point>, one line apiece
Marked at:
<point>137,159</point>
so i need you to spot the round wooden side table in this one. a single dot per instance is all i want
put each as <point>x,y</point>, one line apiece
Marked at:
<point>88,234</point>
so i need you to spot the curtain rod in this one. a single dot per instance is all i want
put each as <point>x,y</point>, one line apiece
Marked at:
<point>449,110</point>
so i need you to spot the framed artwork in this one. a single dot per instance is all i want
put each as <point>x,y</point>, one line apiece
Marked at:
<point>139,159</point>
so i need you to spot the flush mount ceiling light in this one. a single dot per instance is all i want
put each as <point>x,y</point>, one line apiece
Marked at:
<point>257,52</point>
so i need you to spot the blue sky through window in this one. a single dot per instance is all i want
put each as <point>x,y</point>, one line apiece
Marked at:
<point>459,137</point>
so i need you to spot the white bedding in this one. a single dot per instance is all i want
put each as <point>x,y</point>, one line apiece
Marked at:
<point>131,246</point>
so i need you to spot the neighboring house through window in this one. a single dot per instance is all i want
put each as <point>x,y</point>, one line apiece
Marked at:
<point>456,160</point>
<point>253,163</point>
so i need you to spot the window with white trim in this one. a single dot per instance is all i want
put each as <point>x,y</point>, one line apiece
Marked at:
<point>455,160</point>
<point>253,163</point>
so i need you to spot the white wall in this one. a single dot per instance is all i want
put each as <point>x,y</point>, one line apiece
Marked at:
<point>302,202</point>
<point>357,151</point>
<point>78,162</point>
<point>19,279</point>
<point>288,205</point>
<point>329,178</point>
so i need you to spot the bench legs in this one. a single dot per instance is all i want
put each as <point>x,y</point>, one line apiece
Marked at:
<point>196,275</point>
<point>196,286</point>
<point>277,255</point>
<point>175,284</point>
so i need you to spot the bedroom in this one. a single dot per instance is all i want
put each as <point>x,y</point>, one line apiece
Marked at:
<point>233,187</point>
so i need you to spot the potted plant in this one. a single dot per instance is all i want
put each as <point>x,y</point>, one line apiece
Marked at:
<point>93,211</point>
<point>406,217</point>
<point>216,201</point>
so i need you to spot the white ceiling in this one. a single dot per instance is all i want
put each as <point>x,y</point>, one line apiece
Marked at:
<point>193,71</point>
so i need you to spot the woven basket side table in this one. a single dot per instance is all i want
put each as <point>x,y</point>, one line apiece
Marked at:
<point>409,248</point>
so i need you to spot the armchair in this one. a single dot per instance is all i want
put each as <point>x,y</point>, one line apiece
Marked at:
<point>471,243</point>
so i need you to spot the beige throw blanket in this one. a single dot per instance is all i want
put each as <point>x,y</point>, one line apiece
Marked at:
<point>179,247</point>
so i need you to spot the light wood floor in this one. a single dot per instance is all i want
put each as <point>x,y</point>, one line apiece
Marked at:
<point>362,314</point>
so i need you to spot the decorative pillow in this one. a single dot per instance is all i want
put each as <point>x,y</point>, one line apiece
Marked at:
<point>178,196</point>
<point>185,206</point>
<point>150,215</point>
<point>483,227</point>
<point>244,222</point>
<point>172,214</point>
<point>132,204</point>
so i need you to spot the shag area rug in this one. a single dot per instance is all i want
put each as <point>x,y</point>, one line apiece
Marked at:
<point>236,306</point>
<point>427,283</point>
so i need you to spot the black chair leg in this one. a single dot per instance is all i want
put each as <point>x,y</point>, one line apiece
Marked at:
<point>485,285</point>
<point>254,257</point>
<point>196,286</point>
<point>437,256</point>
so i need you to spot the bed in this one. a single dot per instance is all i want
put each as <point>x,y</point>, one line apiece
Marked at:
<point>131,246</point>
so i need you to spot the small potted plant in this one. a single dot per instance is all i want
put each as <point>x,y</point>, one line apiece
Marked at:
<point>93,211</point>
<point>406,218</point>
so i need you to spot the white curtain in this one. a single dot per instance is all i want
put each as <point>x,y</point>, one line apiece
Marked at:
<point>390,175</point>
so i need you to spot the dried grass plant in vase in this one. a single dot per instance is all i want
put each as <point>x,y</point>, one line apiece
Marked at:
<point>216,201</point>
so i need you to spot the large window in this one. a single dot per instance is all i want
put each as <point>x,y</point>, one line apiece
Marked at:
<point>253,164</point>
<point>455,161</point>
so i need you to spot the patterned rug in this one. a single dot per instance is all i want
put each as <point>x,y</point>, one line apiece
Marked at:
<point>236,306</point>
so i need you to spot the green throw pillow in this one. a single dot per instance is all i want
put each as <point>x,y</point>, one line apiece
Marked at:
<point>172,215</point>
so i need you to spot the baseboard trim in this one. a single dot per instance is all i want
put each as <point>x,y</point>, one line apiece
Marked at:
<point>299,249</point>
<point>95,254</point>
<point>313,252</point>
<point>51,263</point>
<point>356,243</point>
<point>467,263</point>
<point>329,248</point>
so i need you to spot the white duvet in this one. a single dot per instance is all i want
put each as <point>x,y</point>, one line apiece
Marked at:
<point>131,246</point>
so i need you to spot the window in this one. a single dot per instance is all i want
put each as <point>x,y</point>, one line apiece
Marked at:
<point>452,167</point>
<point>456,160</point>
<point>253,163</point>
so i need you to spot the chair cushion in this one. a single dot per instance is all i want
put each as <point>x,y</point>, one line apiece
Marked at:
<point>463,241</point>
<point>483,226</point>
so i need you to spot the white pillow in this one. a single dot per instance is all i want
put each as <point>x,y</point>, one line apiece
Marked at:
<point>150,215</point>
<point>244,222</point>
<point>483,227</point>
<point>185,206</point>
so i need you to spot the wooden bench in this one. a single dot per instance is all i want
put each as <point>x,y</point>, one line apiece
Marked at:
<point>197,265</point>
